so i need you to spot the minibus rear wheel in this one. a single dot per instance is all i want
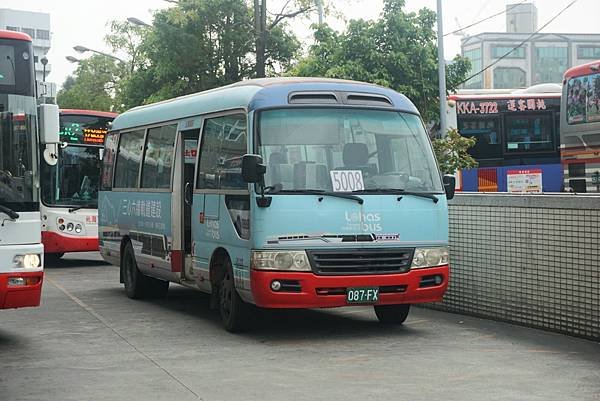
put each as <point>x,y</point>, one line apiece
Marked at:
<point>235,313</point>
<point>138,285</point>
<point>392,314</point>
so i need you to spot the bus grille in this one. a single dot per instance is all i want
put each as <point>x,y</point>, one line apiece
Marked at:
<point>360,261</point>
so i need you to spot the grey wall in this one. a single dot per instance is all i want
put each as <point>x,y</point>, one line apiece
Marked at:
<point>531,260</point>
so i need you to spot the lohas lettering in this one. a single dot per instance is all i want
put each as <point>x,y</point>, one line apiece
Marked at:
<point>369,222</point>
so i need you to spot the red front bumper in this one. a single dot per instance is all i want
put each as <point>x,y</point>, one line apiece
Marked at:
<point>21,296</point>
<point>58,243</point>
<point>330,291</point>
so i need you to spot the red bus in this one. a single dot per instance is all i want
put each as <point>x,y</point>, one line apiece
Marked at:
<point>580,128</point>
<point>69,189</point>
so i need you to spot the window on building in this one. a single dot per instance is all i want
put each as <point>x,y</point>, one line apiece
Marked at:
<point>508,52</point>
<point>550,64</point>
<point>474,55</point>
<point>42,34</point>
<point>509,78</point>
<point>13,28</point>
<point>531,133</point>
<point>487,133</point>
<point>224,142</point>
<point>588,52</point>
<point>29,31</point>
<point>158,158</point>
<point>128,159</point>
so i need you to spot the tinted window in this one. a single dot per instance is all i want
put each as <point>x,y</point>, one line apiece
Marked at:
<point>509,78</point>
<point>486,131</point>
<point>550,64</point>
<point>224,142</point>
<point>158,159</point>
<point>529,133</point>
<point>508,52</point>
<point>108,161</point>
<point>474,56</point>
<point>128,159</point>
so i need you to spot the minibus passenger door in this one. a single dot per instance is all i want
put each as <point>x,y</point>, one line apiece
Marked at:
<point>190,148</point>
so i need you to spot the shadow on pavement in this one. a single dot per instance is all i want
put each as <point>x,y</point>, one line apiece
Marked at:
<point>279,325</point>
<point>68,263</point>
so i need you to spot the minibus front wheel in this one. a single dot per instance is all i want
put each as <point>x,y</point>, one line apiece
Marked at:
<point>392,314</point>
<point>235,313</point>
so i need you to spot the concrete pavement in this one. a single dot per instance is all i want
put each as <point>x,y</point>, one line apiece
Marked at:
<point>88,341</point>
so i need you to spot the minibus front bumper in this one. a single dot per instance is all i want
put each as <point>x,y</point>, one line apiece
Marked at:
<point>308,290</point>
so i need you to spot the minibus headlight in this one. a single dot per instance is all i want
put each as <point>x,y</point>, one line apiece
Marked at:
<point>280,260</point>
<point>28,261</point>
<point>430,257</point>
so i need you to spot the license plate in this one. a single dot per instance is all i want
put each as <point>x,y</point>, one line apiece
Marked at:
<point>362,295</point>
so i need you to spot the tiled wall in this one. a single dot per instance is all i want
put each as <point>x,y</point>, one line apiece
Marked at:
<point>531,260</point>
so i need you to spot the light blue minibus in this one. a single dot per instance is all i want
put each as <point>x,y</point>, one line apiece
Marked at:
<point>278,193</point>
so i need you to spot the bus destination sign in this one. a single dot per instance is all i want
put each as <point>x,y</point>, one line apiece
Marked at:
<point>76,133</point>
<point>500,106</point>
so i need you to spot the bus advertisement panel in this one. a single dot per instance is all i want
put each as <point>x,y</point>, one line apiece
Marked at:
<point>514,132</point>
<point>69,188</point>
<point>290,201</point>
<point>580,128</point>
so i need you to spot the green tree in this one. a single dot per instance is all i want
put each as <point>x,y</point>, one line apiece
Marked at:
<point>452,152</point>
<point>198,45</point>
<point>398,51</point>
<point>92,85</point>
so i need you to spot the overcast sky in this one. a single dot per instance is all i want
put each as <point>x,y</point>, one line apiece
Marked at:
<point>84,22</point>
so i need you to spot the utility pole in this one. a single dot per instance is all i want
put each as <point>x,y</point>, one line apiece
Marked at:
<point>319,4</point>
<point>441,69</point>
<point>260,31</point>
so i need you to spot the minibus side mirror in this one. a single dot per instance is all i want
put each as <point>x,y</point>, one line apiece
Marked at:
<point>253,169</point>
<point>449,186</point>
<point>253,172</point>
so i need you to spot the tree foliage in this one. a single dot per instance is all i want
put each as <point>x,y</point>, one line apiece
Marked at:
<point>398,50</point>
<point>452,152</point>
<point>92,86</point>
<point>202,44</point>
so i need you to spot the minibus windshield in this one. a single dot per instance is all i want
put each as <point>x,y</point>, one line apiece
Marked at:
<point>346,150</point>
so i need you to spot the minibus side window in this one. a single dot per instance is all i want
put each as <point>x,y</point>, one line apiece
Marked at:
<point>128,159</point>
<point>108,161</point>
<point>158,157</point>
<point>223,146</point>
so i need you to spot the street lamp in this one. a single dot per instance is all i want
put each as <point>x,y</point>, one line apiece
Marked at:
<point>44,61</point>
<point>83,49</point>
<point>137,21</point>
<point>72,59</point>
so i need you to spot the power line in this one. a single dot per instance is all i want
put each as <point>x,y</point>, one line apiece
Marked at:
<point>485,19</point>
<point>520,44</point>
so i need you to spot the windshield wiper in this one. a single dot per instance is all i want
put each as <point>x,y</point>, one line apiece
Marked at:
<point>322,192</point>
<point>9,212</point>
<point>88,206</point>
<point>434,198</point>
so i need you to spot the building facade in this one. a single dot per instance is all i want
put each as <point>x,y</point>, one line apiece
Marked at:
<point>543,58</point>
<point>36,25</point>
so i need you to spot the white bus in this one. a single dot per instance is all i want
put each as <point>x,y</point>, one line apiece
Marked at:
<point>21,250</point>
<point>69,187</point>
